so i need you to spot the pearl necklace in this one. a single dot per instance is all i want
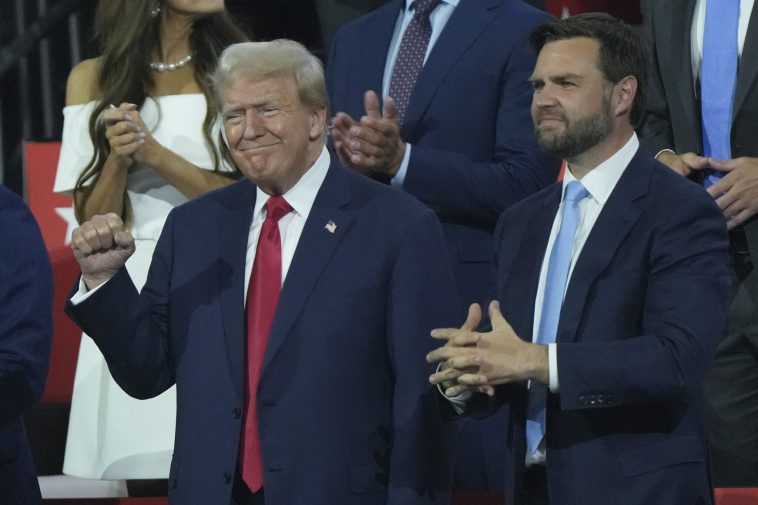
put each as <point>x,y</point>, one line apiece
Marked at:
<point>159,66</point>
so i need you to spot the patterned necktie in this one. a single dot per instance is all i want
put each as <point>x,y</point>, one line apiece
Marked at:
<point>262,298</point>
<point>555,287</point>
<point>410,56</point>
<point>718,79</point>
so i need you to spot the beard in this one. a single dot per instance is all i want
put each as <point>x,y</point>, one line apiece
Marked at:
<point>580,135</point>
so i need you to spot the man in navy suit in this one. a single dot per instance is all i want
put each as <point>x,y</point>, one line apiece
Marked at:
<point>464,145</point>
<point>26,294</point>
<point>612,290</point>
<point>332,404</point>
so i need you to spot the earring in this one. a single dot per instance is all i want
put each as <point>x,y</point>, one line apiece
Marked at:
<point>156,10</point>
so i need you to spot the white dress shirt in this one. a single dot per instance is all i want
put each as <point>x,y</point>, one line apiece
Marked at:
<point>300,197</point>
<point>438,19</point>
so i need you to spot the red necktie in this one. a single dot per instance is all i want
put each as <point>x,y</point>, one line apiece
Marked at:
<point>262,297</point>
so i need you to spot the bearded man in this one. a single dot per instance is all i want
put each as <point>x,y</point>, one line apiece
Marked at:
<point>612,289</point>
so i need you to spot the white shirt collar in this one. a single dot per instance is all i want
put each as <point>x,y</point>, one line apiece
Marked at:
<point>302,195</point>
<point>601,180</point>
<point>454,3</point>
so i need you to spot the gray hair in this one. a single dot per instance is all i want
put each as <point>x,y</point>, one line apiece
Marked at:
<point>265,60</point>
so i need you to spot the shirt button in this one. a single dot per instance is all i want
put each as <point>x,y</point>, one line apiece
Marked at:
<point>237,413</point>
<point>227,478</point>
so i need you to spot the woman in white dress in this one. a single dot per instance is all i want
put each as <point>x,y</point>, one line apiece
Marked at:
<point>140,137</point>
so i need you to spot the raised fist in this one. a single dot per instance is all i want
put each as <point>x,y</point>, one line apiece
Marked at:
<point>101,246</point>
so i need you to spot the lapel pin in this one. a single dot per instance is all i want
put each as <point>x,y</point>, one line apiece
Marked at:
<point>331,227</point>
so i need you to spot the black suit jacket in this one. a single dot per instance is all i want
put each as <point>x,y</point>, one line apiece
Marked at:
<point>673,120</point>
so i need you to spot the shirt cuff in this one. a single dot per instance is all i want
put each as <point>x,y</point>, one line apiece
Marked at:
<point>399,178</point>
<point>664,151</point>
<point>83,294</point>
<point>552,363</point>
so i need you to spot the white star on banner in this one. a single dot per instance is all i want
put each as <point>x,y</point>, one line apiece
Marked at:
<point>67,214</point>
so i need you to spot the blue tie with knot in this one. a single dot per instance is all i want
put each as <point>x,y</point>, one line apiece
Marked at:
<point>555,287</point>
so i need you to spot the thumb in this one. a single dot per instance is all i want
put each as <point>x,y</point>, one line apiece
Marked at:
<point>474,317</point>
<point>390,109</point>
<point>496,317</point>
<point>371,103</point>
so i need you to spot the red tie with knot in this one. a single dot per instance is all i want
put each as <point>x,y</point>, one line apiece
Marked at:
<point>262,297</point>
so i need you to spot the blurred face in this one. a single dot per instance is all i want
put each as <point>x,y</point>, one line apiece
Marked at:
<point>273,137</point>
<point>195,6</point>
<point>571,104</point>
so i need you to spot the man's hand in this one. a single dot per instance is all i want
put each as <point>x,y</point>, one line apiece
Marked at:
<point>101,246</point>
<point>683,164</point>
<point>737,191</point>
<point>447,375</point>
<point>492,358</point>
<point>373,144</point>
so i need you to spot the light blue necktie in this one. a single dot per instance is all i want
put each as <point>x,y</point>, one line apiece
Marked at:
<point>718,79</point>
<point>555,287</point>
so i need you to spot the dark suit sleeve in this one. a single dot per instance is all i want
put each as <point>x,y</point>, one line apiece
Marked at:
<point>457,186</point>
<point>683,316</point>
<point>421,297</point>
<point>655,131</point>
<point>26,293</point>
<point>132,330</point>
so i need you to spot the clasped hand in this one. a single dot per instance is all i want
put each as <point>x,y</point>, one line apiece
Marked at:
<point>478,361</point>
<point>373,144</point>
<point>127,134</point>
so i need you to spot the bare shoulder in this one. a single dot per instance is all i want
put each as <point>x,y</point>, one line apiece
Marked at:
<point>82,82</point>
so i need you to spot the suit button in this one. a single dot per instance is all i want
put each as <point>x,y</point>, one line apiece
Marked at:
<point>227,478</point>
<point>237,413</point>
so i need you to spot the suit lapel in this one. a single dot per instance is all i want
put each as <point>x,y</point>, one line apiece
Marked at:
<point>617,218</point>
<point>374,47</point>
<point>314,250</point>
<point>748,63</point>
<point>466,24</point>
<point>679,43</point>
<point>531,248</point>
<point>234,229</point>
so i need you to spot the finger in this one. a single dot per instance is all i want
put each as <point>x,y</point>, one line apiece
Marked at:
<point>724,198</point>
<point>446,353</point>
<point>447,333</point>
<point>366,134</point>
<point>387,129</point>
<point>455,391</point>
<point>371,104</point>
<point>464,361</point>
<point>104,231</point>
<point>473,379</point>
<point>390,110</point>
<point>722,165</point>
<point>740,218</point>
<point>488,390</point>
<point>695,162</point>
<point>474,317</point>
<point>448,374</point>
<point>720,188</point>
<point>78,242</point>
<point>90,236</point>
<point>123,239</point>
<point>496,317</point>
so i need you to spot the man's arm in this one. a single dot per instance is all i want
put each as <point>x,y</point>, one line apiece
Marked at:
<point>422,295</point>
<point>26,293</point>
<point>131,330</point>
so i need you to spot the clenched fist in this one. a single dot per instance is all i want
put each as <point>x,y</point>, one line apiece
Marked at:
<point>101,246</point>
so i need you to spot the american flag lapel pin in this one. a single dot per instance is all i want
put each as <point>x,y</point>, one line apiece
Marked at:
<point>331,227</point>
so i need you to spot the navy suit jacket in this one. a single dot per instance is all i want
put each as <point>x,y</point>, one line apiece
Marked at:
<point>26,292</point>
<point>346,413</point>
<point>643,312</point>
<point>474,151</point>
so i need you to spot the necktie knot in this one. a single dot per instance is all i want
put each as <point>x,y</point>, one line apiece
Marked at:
<point>575,192</point>
<point>424,7</point>
<point>277,207</point>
